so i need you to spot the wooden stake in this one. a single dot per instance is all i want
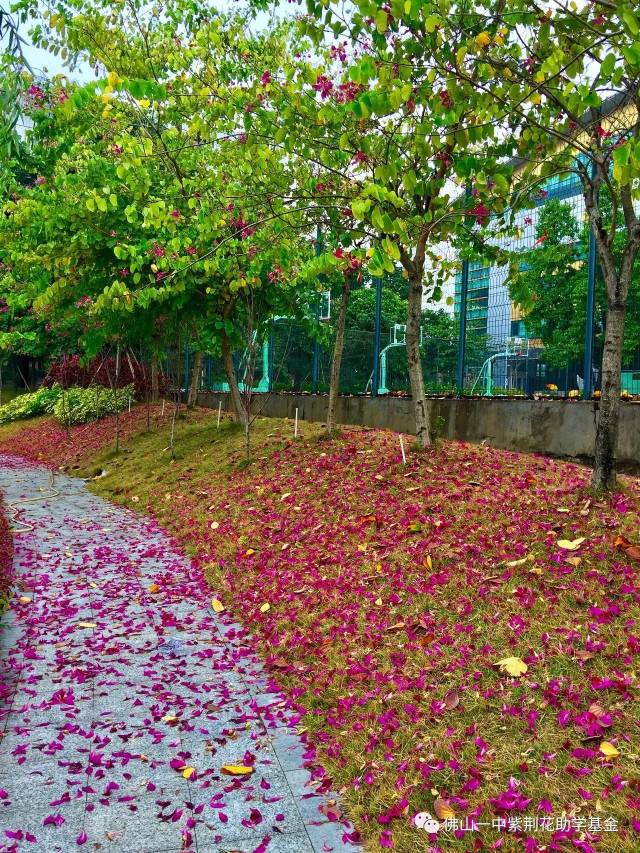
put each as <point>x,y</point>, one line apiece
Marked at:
<point>162,412</point>
<point>404,458</point>
<point>219,411</point>
<point>295,428</point>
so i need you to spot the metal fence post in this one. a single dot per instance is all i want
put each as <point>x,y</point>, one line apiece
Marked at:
<point>587,388</point>
<point>315,368</point>
<point>462,331</point>
<point>271,357</point>
<point>375,375</point>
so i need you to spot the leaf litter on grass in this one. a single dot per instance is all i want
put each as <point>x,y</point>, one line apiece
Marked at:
<point>439,640</point>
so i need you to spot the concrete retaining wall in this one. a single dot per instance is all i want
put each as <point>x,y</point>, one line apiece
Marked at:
<point>556,427</point>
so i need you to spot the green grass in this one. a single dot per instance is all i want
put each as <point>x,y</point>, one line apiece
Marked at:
<point>347,563</point>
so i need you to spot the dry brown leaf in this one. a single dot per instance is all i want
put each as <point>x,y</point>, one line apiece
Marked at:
<point>584,655</point>
<point>621,542</point>
<point>443,809</point>
<point>452,700</point>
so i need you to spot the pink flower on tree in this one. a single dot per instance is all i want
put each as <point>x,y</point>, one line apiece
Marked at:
<point>481,213</point>
<point>324,86</point>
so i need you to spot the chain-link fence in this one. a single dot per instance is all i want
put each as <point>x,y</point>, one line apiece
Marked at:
<point>525,330</point>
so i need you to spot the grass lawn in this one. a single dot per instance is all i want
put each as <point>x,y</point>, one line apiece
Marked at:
<point>383,597</point>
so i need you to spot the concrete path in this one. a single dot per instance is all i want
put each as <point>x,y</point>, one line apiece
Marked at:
<point>124,696</point>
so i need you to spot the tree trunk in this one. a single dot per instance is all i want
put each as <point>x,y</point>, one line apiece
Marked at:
<point>115,397</point>
<point>338,347</point>
<point>155,379</point>
<point>232,379</point>
<point>604,466</point>
<point>194,385</point>
<point>177,381</point>
<point>416,378</point>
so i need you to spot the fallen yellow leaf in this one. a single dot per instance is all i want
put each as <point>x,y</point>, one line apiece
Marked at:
<point>154,587</point>
<point>188,772</point>
<point>264,608</point>
<point>379,602</point>
<point>442,809</point>
<point>285,496</point>
<point>249,552</point>
<point>24,599</point>
<point>512,666</point>
<point>87,625</point>
<point>215,525</point>
<point>217,606</point>
<point>570,544</point>
<point>608,749</point>
<point>237,770</point>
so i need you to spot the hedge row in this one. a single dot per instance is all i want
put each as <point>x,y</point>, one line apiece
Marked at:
<point>75,406</point>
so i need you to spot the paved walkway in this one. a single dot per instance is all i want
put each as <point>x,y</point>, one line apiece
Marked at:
<point>124,696</point>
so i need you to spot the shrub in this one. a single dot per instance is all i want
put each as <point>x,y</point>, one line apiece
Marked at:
<point>40,402</point>
<point>70,371</point>
<point>79,405</point>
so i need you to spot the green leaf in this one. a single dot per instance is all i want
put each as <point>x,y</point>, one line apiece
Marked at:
<point>391,249</point>
<point>409,181</point>
<point>608,64</point>
<point>382,21</point>
<point>431,23</point>
<point>621,155</point>
<point>631,21</point>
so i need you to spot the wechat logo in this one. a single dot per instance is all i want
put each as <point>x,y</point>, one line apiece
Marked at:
<point>423,820</point>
